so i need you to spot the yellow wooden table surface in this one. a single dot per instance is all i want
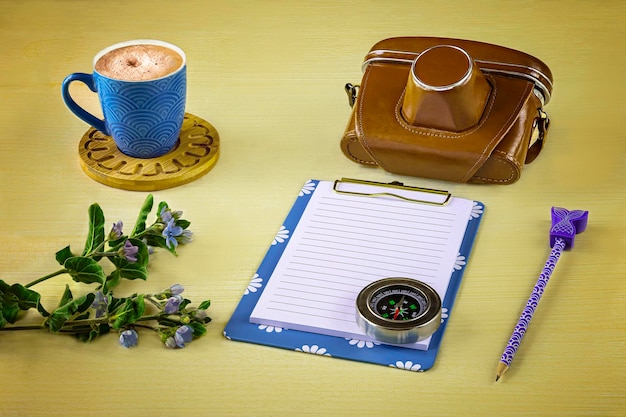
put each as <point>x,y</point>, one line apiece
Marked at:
<point>269,75</point>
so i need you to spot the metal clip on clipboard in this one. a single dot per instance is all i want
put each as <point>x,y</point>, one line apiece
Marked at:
<point>360,187</point>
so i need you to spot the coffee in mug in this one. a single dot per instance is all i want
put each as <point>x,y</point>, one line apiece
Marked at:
<point>141,87</point>
<point>139,62</point>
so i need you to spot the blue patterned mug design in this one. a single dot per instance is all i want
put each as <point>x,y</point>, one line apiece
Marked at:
<point>144,118</point>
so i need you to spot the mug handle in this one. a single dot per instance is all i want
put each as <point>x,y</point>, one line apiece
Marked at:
<point>81,113</point>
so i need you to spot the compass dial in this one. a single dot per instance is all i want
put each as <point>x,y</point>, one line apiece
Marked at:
<point>398,310</point>
<point>398,302</point>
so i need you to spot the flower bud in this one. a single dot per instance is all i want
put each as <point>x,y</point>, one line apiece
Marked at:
<point>116,231</point>
<point>199,314</point>
<point>128,338</point>
<point>170,343</point>
<point>129,251</point>
<point>177,289</point>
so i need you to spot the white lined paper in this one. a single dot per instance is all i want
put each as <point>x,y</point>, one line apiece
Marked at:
<point>344,242</point>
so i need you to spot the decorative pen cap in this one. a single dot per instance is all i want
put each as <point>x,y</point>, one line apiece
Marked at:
<point>567,224</point>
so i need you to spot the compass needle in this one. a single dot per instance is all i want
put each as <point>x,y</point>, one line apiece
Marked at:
<point>399,309</point>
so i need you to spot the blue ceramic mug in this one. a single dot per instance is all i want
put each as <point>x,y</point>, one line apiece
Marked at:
<point>143,116</point>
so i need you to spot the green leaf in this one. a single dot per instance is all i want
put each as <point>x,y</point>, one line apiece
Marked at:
<point>129,270</point>
<point>95,236</point>
<point>115,303</point>
<point>160,208</point>
<point>118,242</point>
<point>16,298</point>
<point>146,208</point>
<point>26,298</point>
<point>8,305</point>
<point>130,312</point>
<point>113,280</point>
<point>42,310</point>
<point>166,321</point>
<point>83,316</point>
<point>183,223</point>
<point>184,304</point>
<point>3,320</point>
<point>204,305</point>
<point>64,313</point>
<point>85,270</point>
<point>63,255</point>
<point>158,241</point>
<point>198,329</point>
<point>66,297</point>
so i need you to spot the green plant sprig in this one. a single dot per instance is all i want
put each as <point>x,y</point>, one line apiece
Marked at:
<point>99,312</point>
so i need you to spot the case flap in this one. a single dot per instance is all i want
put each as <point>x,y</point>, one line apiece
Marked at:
<point>492,59</point>
<point>404,149</point>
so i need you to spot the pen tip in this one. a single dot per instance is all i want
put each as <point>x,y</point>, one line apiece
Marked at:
<point>497,378</point>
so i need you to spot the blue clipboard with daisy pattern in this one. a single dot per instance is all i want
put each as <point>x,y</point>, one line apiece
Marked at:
<point>337,238</point>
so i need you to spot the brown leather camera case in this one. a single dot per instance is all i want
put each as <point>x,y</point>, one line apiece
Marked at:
<point>448,109</point>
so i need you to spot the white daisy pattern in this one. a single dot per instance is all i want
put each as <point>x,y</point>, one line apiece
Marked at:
<point>314,349</point>
<point>459,263</point>
<point>362,343</point>
<point>281,236</point>
<point>476,212</point>
<point>254,285</point>
<point>444,314</point>
<point>307,188</point>
<point>408,365</point>
<point>270,329</point>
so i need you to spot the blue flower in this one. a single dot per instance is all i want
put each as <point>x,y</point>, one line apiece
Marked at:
<point>129,251</point>
<point>184,334</point>
<point>170,233</point>
<point>177,289</point>
<point>128,338</point>
<point>116,230</point>
<point>100,304</point>
<point>167,214</point>
<point>172,304</point>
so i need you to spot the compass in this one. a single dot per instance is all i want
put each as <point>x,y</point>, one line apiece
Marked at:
<point>398,310</point>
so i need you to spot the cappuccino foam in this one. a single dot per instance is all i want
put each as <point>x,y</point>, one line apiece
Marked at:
<point>139,62</point>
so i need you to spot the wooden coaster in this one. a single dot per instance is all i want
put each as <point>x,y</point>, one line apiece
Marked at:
<point>193,156</point>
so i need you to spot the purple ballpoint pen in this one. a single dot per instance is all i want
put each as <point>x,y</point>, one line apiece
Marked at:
<point>565,225</point>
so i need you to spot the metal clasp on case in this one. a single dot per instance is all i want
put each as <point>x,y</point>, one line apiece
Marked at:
<point>540,127</point>
<point>352,91</point>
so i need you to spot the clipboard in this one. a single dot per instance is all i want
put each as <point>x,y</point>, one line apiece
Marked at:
<point>363,200</point>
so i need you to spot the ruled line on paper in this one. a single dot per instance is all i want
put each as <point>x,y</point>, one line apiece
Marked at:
<point>341,244</point>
